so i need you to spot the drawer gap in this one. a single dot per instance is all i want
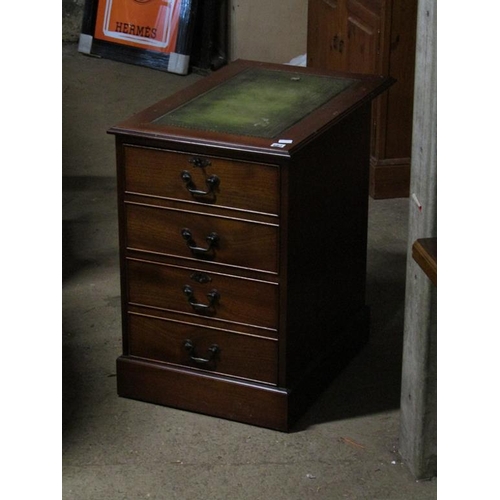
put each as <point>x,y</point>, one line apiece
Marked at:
<point>205,317</point>
<point>235,332</point>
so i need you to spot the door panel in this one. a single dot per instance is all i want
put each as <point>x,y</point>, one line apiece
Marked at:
<point>326,35</point>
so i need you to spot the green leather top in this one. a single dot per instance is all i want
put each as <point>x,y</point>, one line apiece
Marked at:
<point>256,102</point>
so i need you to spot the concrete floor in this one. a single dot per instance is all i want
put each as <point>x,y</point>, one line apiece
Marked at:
<point>114,448</point>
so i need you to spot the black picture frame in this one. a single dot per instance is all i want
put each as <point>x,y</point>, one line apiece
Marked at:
<point>175,62</point>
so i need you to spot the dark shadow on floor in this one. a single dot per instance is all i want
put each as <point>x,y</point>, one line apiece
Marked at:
<point>371,382</point>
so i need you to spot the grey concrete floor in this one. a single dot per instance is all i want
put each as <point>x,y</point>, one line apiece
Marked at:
<point>114,448</point>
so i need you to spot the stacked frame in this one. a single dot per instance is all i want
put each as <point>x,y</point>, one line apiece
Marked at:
<point>152,33</point>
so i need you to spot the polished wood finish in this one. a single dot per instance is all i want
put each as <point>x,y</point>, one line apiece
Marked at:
<point>239,242</point>
<point>240,300</point>
<point>243,185</point>
<point>288,269</point>
<point>225,397</point>
<point>238,355</point>
<point>424,252</point>
<point>373,36</point>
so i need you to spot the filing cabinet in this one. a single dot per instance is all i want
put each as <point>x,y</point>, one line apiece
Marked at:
<point>243,218</point>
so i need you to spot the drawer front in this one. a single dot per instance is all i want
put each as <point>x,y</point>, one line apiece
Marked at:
<point>217,296</point>
<point>225,183</point>
<point>207,349</point>
<point>202,237</point>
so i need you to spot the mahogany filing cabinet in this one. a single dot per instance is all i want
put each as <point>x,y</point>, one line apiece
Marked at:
<point>243,205</point>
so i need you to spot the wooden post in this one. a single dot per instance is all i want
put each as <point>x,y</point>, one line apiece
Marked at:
<point>418,441</point>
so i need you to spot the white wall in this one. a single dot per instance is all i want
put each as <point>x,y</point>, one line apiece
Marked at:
<point>267,30</point>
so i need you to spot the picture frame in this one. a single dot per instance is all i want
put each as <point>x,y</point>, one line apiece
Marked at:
<point>152,33</point>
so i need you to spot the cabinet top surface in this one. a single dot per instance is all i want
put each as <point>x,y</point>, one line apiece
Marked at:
<point>256,106</point>
<point>257,102</point>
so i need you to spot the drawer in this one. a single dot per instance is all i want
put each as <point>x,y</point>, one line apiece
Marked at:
<point>189,291</point>
<point>207,349</point>
<point>226,183</point>
<point>199,236</point>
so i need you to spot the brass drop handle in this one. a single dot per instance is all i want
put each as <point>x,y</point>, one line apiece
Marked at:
<point>212,239</point>
<point>213,297</point>
<point>213,350</point>
<point>212,183</point>
<point>200,162</point>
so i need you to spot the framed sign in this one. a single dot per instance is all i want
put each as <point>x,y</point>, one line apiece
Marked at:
<point>154,33</point>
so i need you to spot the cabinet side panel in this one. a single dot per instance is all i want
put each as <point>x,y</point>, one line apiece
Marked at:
<point>326,241</point>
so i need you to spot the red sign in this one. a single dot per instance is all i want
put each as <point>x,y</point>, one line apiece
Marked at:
<point>146,24</point>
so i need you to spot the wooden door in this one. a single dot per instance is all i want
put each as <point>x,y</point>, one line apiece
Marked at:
<point>363,26</point>
<point>326,35</point>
